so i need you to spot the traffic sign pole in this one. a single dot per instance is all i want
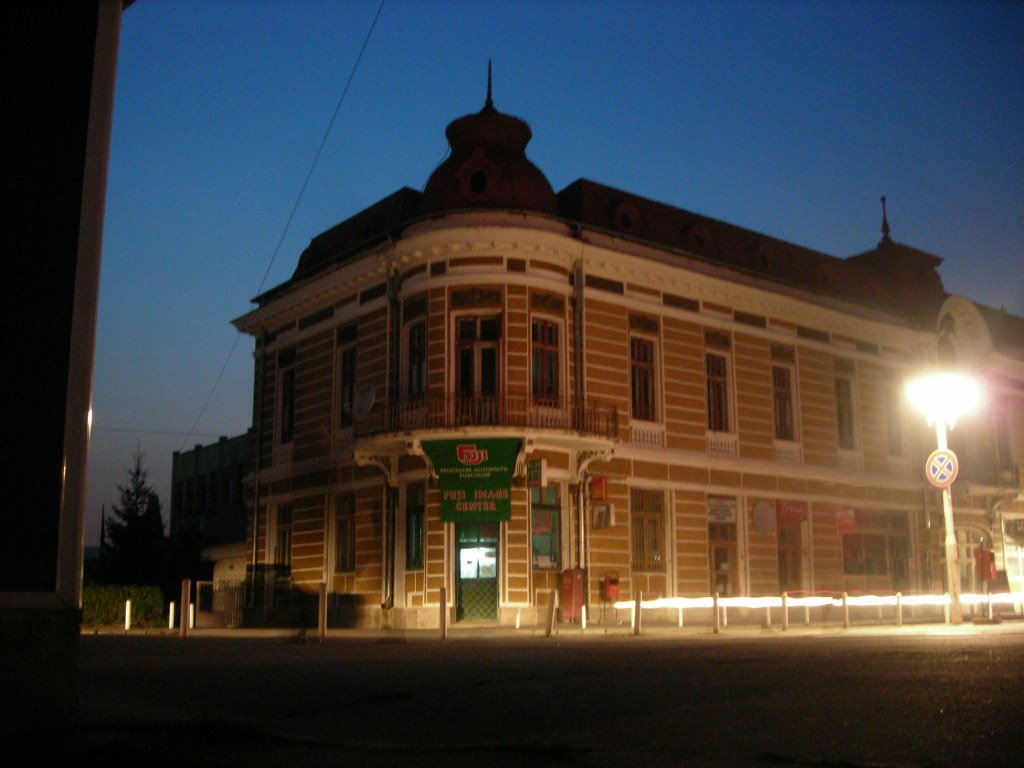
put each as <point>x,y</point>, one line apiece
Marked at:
<point>956,615</point>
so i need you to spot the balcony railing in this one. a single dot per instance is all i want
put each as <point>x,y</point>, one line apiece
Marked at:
<point>500,411</point>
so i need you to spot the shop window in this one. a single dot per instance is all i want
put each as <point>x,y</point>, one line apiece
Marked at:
<point>545,521</point>
<point>414,515</point>
<point>722,558</point>
<point>345,533</point>
<point>878,546</point>
<point>647,517</point>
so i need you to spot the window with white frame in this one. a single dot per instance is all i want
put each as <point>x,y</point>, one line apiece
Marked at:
<point>283,537</point>
<point>647,521</point>
<point>286,396</point>
<point>717,368</point>
<point>784,392</point>
<point>643,391</point>
<point>545,359</point>
<point>893,414</point>
<point>415,511</point>
<point>845,408</point>
<point>416,360</point>
<point>346,384</point>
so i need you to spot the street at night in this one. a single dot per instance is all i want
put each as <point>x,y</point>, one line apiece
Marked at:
<point>916,696</point>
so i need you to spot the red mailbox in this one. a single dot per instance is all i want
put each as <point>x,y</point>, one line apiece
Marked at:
<point>985,559</point>
<point>610,587</point>
<point>573,581</point>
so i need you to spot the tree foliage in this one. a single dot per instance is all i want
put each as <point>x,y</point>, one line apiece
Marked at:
<point>133,549</point>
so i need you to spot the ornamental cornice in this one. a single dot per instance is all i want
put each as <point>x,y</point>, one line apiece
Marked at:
<point>323,290</point>
<point>779,302</point>
<point>482,241</point>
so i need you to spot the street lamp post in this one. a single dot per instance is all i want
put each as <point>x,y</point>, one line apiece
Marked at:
<point>943,398</point>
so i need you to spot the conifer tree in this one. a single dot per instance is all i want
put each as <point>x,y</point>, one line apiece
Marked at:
<point>134,549</point>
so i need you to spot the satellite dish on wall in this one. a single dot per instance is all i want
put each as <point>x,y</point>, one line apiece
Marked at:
<point>764,518</point>
<point>363,402</point>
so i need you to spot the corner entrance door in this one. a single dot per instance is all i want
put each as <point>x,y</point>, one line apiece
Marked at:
<point>476,590</point>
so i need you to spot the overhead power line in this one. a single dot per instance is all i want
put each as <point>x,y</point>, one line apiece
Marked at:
<point>291,216</point>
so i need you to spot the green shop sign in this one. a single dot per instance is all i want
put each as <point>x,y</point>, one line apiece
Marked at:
<point>476,478</point>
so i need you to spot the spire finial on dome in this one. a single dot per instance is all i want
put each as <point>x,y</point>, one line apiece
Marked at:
<point>885,224</point>
<point>489,104</point>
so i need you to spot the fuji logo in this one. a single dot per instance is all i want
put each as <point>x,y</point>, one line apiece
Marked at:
<point>470,456</point>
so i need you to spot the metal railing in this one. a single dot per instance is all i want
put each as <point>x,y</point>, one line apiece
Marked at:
<point>520,412</point>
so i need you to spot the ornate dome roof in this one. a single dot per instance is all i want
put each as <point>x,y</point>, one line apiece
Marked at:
<point>488,167</point>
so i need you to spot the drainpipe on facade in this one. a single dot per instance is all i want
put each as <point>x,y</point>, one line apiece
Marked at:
<point>581,393</point>
<point>257,420</point>
<point>394,391</point>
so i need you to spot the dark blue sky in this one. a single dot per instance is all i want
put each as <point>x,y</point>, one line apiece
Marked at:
<point>789,118</point>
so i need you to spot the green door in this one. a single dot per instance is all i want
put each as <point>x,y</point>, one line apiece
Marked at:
<point>477,586</point>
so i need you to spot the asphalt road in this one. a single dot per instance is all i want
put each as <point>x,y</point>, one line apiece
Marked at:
<point>909,697</point>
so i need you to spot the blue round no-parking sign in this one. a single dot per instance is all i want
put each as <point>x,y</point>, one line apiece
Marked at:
<point>941,468</point>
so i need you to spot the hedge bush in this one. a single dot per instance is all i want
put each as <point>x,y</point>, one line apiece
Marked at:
<point>102,606</point>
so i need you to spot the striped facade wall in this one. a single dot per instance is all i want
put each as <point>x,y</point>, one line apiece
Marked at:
<point>672,456</point>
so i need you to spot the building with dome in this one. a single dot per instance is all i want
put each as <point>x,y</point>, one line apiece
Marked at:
<point>489,392</point>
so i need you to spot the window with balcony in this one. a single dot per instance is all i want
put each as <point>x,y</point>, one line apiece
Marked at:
<point>545,356</point>
<point>416,360</point>
<point>642,379</point>
<point>647,519</point>
<point>477,369</point>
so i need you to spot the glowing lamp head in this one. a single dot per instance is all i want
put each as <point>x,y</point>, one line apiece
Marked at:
<point>944,396</point>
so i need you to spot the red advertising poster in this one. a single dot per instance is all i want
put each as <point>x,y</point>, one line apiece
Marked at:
<point>791,511</point>
<point>846,520</point>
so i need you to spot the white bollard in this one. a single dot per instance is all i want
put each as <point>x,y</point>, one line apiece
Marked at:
<point>443,614</point>
<point>191,616</point>
<point>583,617</point>
<point>785,610</point>
<point>170,616</point>
<point>716,622</point>
<point>127,615</point>
<point>679,619</point>
<point>519,612</point>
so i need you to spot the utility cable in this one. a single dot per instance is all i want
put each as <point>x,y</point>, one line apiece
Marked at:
<point>291,216</point>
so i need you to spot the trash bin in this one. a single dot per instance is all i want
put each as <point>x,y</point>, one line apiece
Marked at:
<point>573,582</point>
